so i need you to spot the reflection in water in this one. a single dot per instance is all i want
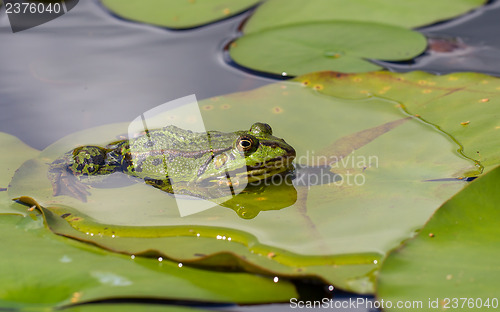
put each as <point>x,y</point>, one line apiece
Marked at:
<point>275,193</point>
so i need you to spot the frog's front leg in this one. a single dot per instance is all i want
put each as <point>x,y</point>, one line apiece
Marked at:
<point>67,172</point>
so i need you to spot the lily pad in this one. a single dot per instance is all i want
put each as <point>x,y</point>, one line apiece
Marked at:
<point>464,106</point>
<point>409,14</point>
<point>342,46</point>
<point>43,270</point>
<point>395,171</point>
<point>453,262</point>
<point>179,14</point>
<point>15,153</point>
<point>130,307</point>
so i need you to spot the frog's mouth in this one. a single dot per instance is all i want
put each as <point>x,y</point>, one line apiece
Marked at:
<point>268,169</point>
<point>254,173</point>
<point>258,171</point>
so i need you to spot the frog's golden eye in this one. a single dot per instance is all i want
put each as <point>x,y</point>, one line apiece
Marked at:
<point>247,144</point>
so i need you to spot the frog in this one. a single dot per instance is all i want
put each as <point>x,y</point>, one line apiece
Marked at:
<point>177,161</point>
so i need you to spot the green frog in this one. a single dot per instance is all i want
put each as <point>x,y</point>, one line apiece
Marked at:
<point>178,161</point>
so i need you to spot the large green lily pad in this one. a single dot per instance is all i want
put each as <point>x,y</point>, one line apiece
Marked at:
<point>42,270</point>
<point>395,169</point>
<point>341,46</point>
<point>178,14</point>
<point>453,262</point>
<point>464,106</point>
<point>410,14</point>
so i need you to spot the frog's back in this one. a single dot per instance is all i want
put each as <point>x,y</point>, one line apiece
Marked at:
<point>173,153</point>
<point>177,140</point>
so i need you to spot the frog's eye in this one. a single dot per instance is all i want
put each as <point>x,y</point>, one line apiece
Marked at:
<point>247,144</point>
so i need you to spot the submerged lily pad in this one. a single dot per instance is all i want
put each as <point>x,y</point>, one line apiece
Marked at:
<point>465,106</point>
<point>14,154</point>
<point>178,14</point>
<point>410,14</point>
<point>340,46</point>
<point>394,169</point>
<point>42,270</point>
<point>453,262</point>
<point>131,307</point>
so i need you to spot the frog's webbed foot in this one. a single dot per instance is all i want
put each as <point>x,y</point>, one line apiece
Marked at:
<point>65,183</point>
<point>84,161</point>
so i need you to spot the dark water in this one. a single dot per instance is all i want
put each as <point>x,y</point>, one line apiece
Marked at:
<point>88,68</point>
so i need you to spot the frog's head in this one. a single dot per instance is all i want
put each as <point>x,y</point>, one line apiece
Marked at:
<point>87,160</point>
<point>254,155</point>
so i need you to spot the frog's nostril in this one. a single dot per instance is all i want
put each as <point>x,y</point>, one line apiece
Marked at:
<point>291,152</point>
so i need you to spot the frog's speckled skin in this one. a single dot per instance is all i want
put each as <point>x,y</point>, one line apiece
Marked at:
<point>173,156</point>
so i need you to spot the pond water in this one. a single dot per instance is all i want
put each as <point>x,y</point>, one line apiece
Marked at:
<point>89,68</point>
<point>475,44</point>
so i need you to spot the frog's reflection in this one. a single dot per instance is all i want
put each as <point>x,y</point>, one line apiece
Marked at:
<point>278,192</point>
<point>275,193</point>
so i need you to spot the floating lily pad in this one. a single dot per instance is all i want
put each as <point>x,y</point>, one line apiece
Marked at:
<point>131,307</point>
<point>43,270</point>
<point>342,46</point>
<point>465,106</point>
<point>14,154</point>
<point>410,14</point>
<point>453,261</point>
<point>395,171</point>
<point>178,14</point>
